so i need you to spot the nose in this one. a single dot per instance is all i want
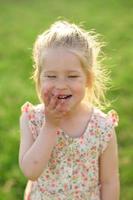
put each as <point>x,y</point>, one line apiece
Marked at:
<point>61,84</point>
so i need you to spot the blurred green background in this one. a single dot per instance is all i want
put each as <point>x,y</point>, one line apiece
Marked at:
<point>20,23</point>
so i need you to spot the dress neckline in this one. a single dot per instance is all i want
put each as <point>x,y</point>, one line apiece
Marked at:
<point>64,134</point>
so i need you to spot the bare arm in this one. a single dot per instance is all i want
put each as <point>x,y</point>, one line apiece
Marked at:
<point>109,174</point>
<point>34,155</point>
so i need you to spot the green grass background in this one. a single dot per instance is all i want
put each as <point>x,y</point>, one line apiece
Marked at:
<point>20,23</point>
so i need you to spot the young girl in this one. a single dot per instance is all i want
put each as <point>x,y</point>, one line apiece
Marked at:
<point>68,147</point>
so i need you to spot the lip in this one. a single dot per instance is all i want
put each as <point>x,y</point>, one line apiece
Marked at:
<point>64,95</point>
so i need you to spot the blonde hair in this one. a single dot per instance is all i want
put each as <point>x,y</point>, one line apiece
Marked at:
<point>86,46</point>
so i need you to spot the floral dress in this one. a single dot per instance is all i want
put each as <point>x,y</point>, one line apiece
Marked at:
<point>72,172</point>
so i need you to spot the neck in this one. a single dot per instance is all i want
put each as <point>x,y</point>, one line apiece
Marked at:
<point>82,109</point>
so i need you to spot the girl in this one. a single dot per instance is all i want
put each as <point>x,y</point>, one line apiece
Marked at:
<point>68,147</point>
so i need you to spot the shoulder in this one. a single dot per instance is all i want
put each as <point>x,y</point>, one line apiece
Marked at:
<point>30,108</point>
<point>30,111</point>
<point>31,119</point>
<point>31,115</point>
<point>106,120</point>
<point>106,123</point>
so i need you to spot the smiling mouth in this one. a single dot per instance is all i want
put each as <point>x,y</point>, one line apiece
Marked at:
<point>64,96</point>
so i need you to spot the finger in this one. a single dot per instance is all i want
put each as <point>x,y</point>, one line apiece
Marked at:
<point>46,98</point>
<point>53,101</point>
<point>60,106</point>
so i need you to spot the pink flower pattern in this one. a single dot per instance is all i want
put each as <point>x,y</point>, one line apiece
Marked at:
<point>72,172</point>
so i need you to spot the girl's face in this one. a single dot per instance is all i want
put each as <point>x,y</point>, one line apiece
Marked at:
<point>63,74</point>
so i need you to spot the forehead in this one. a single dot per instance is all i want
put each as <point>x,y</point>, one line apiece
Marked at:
<point>61,59</point>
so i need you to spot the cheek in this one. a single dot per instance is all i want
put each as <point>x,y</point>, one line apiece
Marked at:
<point>79,92</point>
<point>79,87</point>
<point>45,87</point>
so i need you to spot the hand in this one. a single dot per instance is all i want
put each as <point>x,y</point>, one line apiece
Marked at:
<point>54,110</point>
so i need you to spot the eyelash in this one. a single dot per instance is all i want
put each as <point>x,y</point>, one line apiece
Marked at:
<point>73,76</point>
<point>51,76</point>
<point>68,76</point>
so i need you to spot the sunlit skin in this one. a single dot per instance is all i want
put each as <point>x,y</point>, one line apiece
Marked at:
<point>62,74</point>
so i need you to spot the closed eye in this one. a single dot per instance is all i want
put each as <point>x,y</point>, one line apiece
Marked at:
<point>74,76</point>
<point>51,76</point>
<point>71,76</point>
